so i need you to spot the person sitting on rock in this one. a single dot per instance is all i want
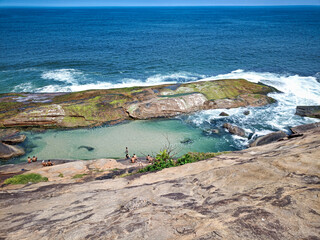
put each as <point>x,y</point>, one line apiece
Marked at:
<point>29,160</point>
<point>49,163</point>
<point>135,157</point>
<point>133,160</point>
<point>127,156</point>
<point>44,163</point>
<point>34,159</point>
<point>149,159</point>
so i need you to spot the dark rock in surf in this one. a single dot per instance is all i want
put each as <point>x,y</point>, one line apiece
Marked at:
<point>246,112</point>
<point>269,138</point>
<point>224,114</point>
<point>303,128</point>
<point>235,130</point>
<point>308,111</point>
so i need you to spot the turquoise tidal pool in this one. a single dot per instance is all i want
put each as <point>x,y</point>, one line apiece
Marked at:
<point>141,138</point>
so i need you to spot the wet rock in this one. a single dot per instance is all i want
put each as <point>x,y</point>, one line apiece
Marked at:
<point>269,138</point>
<point>8,151</point>
<point>224,114</point>
<point>304,128</point>
<point>235,130</point>
<point>308,111</point>
<point>247,112</point>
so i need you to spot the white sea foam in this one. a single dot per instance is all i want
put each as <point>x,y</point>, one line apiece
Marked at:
<point>24,87</point>
<point>75,80</point>
<point>70,76</point>
<point>296,90</point>
<point>175,77</point>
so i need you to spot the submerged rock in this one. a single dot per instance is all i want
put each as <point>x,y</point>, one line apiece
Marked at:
<point>269,138</point>
<point>308,111</point>
<point>235,130</point>
<point>87,147</point>
<point>186,141</point>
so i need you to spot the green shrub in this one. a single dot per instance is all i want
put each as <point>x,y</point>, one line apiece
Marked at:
<point>79,176</point>
<point>60,175</point>
<point>163,160</point>
<point>26,178</point>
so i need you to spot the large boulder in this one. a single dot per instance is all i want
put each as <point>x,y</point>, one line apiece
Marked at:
<point>167,107</point>
<point>269,138</point>
<point>235,130</point>
<point>7,151</point>
<point>304,128</point>
<point>308,111</point>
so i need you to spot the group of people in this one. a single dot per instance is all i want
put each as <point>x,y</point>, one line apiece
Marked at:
<point>48,163</point>
<point>33,159</point>
<point>134,157</point>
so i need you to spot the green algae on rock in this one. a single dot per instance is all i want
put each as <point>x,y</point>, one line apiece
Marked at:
<point>97,107</point>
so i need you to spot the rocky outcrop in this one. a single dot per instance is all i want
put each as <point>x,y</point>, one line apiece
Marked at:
<point>308,111</point>
<point>8,151</point>
<point>97,107</point>
<point>7,138</point>
<point>269,192</point>
<point>269,138</point>
<point>18,138</point>
<point>235,130</point>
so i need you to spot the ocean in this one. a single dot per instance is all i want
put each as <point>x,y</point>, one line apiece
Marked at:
<point>75,49</point>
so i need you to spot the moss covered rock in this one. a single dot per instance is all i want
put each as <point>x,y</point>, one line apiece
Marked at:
<point>97,107</point>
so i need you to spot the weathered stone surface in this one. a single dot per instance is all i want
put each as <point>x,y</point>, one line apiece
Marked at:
<point>266,192</point>
<point>269,138</point>
<point>304,128</point>
<point>308,111</point>
<point>97,107</point>
<point>8,151</point>
<point>235,130</point>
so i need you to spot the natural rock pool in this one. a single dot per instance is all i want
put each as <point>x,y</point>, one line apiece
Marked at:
<point>141,138</point>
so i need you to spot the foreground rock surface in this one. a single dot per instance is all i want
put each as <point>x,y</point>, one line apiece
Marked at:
<point>97,107</point>
<point>266,192</point>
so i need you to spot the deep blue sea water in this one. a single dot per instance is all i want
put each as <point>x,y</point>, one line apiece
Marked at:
<point>73,49</point>
<point>58,49</point>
